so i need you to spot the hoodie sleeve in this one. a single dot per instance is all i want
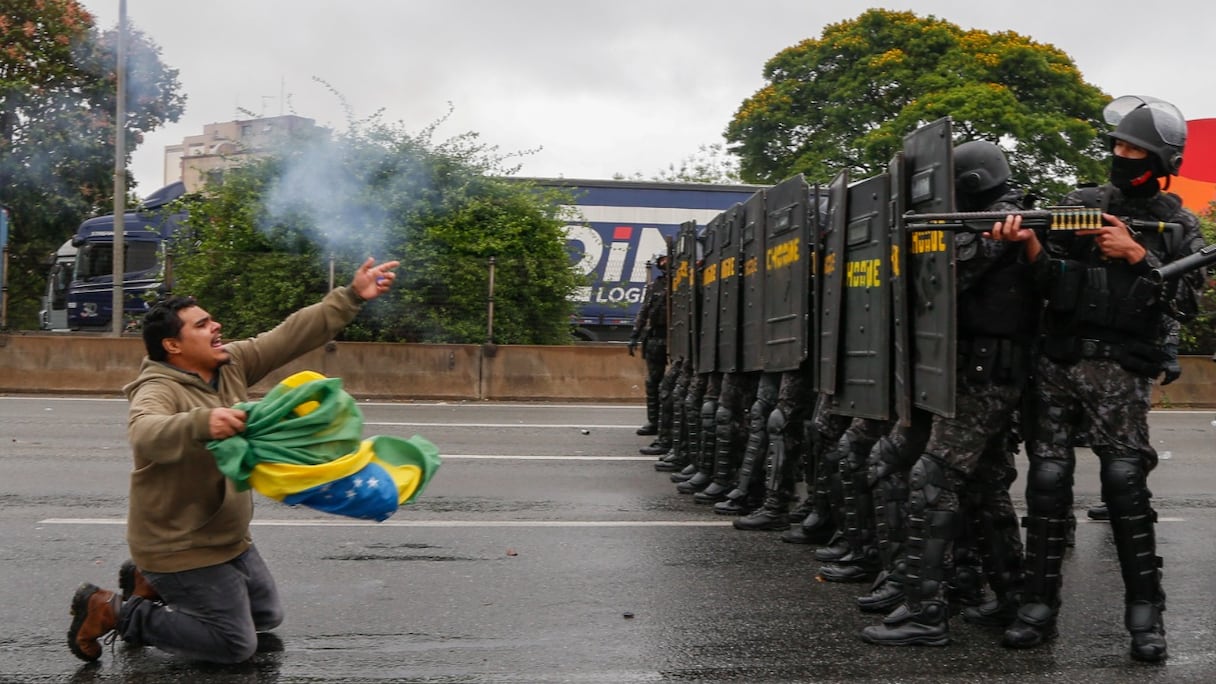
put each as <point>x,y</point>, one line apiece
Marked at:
<point>300,333</point>
<point>158,432</point>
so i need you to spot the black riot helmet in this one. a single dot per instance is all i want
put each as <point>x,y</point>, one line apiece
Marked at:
<point>1150,124</point>
<point>979,166</point>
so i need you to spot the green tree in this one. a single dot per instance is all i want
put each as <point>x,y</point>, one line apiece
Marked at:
<point>845,101</point>
<point>58,76</point>
<point>1199,335</point>
<point>259,244</point>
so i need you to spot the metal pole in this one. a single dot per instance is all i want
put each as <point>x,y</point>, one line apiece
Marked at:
<point>331,271</point>
<point>118,307</point>
<point>4,269</point>
<point>4,289</point>
<point>490,307</point>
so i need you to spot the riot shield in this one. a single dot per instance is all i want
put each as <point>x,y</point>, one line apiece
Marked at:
<point>682,265</point>
<point>900,357</point>
<point>831,285</point>
<point>932,294</point>
<point>730,288</point>
<point>707,305</point>
<point>752,241</point>
<point>818,214</point>
<point>865,361</point>
<point>787,276</point>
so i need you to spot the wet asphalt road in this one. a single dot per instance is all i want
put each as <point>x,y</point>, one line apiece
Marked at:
<point>543,554</point>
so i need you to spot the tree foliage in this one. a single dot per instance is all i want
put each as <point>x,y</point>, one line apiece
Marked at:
<point>845,101</point>
<point>1199,335</point>
<point>58,76</point>
<point>260,243</point>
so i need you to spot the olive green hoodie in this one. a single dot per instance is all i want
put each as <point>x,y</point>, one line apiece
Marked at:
<point>183,513</point>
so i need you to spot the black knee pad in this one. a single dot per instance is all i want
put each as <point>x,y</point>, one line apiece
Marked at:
<point>1049,487</point>
<point>722,415</point>
<point>1124,483</point>
<point>776,422</point>
<point>928,478</point>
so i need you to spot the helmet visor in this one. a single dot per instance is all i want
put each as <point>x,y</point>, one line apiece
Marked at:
<point>1167,120</point>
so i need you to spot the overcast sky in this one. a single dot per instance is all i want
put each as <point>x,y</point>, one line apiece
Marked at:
<point>601,87</point>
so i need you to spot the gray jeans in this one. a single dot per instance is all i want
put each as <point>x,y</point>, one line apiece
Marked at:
<point>211,614</point>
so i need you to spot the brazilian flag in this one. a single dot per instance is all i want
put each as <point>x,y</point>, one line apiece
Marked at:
<point>303,445</point>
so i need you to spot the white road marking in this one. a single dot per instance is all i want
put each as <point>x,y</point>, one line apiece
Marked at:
<point>428,523</point>
<point>571,426</point>
<point>464,523</point>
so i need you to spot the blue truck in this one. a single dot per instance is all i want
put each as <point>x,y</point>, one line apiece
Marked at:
<point>614,230</point>
<point>80,286</point>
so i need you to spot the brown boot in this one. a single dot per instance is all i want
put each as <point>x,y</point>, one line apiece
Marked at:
<point>94,615</point>
<point>133,583</point>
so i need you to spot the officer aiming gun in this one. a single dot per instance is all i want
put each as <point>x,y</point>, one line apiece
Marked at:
<point>1042,221</point>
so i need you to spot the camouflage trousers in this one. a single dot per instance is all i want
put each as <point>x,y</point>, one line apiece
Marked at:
<point>1096,403</point>
<point>972,450</point>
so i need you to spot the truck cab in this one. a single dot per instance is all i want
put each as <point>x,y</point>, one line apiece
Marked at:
<point>89,300</point>
<point>54,314</point>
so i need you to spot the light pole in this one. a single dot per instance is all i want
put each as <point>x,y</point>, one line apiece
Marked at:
<point>118,302</point>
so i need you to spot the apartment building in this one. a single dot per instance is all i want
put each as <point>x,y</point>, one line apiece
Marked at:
<point>200,159</point>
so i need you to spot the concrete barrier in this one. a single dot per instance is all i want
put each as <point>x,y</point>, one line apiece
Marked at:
<point>91,364</point>
<point>94,364</point>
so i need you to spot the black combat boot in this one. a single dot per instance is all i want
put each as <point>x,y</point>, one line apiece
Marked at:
<point>817,526</point>
<point>742,500</point>
<point>767,517</point>
<point>1132,523</point>
<point>1143,621</point>
<point>658,447</point>
<point>836,548</point>
<point>726,441</point>
<point>700,480</point>
<point>671,462</point>
<point>1004,574</point>
<point>652,412</point>
<point>886,593</point>
<point>1036,617</point>
<point>685,473</point>
<point>1098,512</point>
<point>677,457</point>
<point>923,619</point>
<point>861,563</point>
<point>779,486</point>
<point>701,442</point>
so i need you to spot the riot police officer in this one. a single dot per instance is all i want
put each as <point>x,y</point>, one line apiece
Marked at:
<point>996,317</point>
<point>650,330</point>
<point>1103,343</point>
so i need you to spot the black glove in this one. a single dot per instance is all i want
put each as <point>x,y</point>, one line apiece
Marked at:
<point>633,345</point>
<point>1173,371</point>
